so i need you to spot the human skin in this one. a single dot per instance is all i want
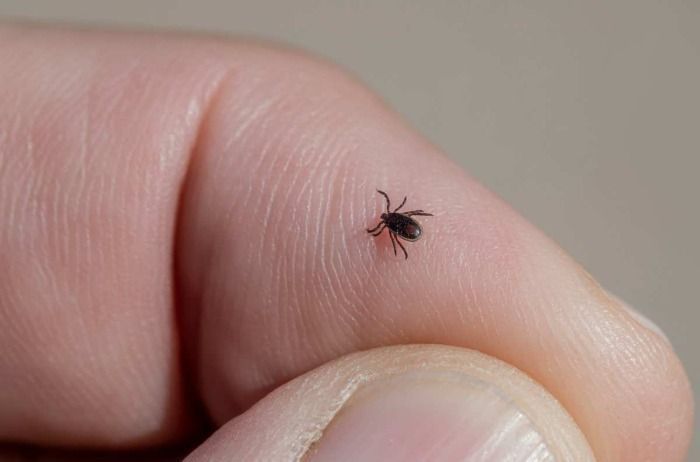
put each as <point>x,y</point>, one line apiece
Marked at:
<point>182,231</point>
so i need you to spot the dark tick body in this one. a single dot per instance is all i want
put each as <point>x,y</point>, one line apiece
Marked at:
<point>400,225</point>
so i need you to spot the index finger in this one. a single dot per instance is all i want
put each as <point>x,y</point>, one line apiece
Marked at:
<point>279,274</point>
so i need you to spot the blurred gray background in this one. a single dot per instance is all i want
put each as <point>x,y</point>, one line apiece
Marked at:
<point>585,115</point>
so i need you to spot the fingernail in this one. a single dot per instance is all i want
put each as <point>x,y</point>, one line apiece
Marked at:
<point>641,319</point>
<point>421,416</point>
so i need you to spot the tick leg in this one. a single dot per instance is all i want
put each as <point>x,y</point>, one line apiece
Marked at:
<point>380,231</point>
<point>402,204</point>
<point>391,236</point>
<point>402,248</point>
<point>375,228</point>
<point>388,202</point>
<point>419,213</point>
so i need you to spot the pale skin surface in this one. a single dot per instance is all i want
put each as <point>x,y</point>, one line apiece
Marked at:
<point>182,230</point>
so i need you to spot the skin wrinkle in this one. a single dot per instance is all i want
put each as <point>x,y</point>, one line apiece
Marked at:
<point>336,296</point>
<point>384,326</point>
<point>585,400</point>
<point>327,257</point>
<point>272,198</point>
<point>325,273</point>
<point>132,170</point>
<point>296,317</point>
<point>307,273</point>
<point>58,210</point>
<point>257,168</point>
<point>460,262</point>
<point>217,81</point>
<point>364,311</point>
<point>290,318</point>
<point>100,193</point>
<point>326,179</point>
<point>297,256</point>
<point>441,318</point>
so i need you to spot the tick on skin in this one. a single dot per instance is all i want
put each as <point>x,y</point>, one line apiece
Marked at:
<point>400,225</point>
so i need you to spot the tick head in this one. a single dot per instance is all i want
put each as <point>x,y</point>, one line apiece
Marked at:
<point>384,216</point>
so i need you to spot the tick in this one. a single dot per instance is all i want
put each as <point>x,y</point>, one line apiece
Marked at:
<point>400,225</point>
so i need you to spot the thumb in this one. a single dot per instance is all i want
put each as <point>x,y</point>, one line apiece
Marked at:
<point>419,402</point>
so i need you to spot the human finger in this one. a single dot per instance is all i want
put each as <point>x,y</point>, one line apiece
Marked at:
<point>279,275</point>
<point>406,403</point>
